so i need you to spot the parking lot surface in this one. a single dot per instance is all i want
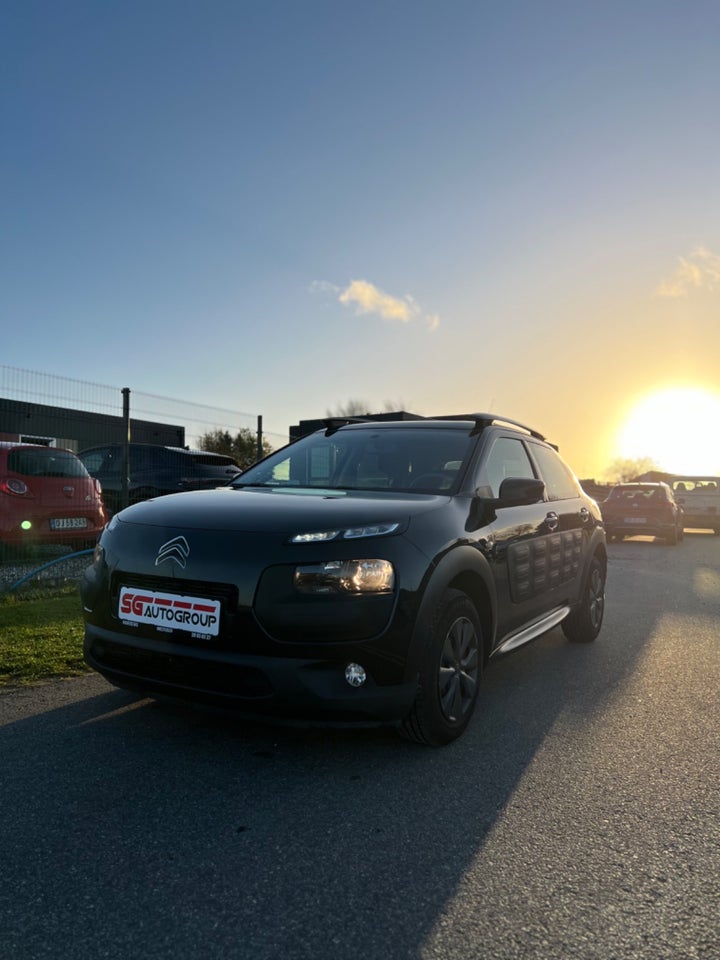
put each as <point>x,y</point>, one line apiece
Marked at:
<point>578,816</point>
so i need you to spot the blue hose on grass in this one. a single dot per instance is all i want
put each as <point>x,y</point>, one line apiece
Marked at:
<point>29,576</point>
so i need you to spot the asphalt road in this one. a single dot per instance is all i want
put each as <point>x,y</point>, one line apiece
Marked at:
<point>578,818</point>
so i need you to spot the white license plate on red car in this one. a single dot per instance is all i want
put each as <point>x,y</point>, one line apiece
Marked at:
<point>169,611</point>
<point>639,520</point>
<point>69,523</point>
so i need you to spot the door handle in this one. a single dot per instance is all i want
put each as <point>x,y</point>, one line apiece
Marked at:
<point>552,521</point>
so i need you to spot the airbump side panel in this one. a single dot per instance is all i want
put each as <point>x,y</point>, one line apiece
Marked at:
<point>537,566</point>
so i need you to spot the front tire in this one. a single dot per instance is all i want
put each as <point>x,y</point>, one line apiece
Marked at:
<point>583,624</point>
<point>449,676</point>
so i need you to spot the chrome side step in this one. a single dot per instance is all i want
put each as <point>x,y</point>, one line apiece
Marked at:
<point>534,630</point>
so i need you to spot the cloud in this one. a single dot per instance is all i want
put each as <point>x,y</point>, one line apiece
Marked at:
<point>369,299</point>
<point>699,271</point>
<point>322,286</point>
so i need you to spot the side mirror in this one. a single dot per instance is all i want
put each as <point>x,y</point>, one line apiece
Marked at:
<point>516,491</point>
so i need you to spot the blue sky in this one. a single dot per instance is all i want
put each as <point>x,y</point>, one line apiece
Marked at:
<point>277,207</point>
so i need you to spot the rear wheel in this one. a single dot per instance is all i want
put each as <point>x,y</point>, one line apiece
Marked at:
<point>583,624</point>
<point>450,675</point>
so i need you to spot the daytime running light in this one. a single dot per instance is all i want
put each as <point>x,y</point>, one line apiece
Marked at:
<point>351,533</point>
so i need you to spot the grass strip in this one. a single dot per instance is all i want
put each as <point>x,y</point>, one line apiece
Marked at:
<point>40,639</point>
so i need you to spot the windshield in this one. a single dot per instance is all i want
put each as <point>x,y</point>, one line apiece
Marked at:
<point>418,460</point>
<point>696,485</point>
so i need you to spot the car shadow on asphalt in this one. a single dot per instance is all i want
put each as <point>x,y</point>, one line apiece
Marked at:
<point>216,836</point>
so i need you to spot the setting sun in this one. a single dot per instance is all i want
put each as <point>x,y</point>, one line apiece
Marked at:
<point>677,429</point>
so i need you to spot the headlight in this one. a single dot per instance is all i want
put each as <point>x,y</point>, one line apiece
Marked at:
<point>350,533</point>
<point>345,576</point>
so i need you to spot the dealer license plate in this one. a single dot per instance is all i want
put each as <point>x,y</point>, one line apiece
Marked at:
<point>168,611</point>
<point>635,520</point>
<point>69,523</point>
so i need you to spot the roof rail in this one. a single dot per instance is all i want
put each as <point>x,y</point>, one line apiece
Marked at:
<point>481,421</point>
<point>487,419</point>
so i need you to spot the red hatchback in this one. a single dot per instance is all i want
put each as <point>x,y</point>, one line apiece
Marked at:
<point>647,508</point>
<point>47,496</point>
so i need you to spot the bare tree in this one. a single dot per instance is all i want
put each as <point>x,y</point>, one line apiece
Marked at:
<point>361,408</point>
<point>624,470</point>
<point>353,408</point>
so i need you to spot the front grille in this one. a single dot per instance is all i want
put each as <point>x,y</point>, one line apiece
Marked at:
<point>177,671</point>
<point>226,593</point>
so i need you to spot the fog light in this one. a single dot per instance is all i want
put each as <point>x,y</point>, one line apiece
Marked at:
<point>355,674</point>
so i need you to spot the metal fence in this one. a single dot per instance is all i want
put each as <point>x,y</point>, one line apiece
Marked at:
<point>60,411</point>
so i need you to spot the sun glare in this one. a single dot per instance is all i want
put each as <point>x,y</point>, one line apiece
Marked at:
<point>678,429</point>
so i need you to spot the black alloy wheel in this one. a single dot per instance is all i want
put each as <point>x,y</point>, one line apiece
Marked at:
<point>450,676</point>
<point>583,624</point>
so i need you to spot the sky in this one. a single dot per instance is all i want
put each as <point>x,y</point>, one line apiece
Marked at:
<point>280,206</point>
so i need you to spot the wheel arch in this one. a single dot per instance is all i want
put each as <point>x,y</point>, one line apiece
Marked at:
<point>462,568</point>
<point>600,552</point>
<point>475,587</point>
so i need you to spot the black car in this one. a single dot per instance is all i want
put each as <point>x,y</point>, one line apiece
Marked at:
<point>366,572</point>
<point>154,470</point>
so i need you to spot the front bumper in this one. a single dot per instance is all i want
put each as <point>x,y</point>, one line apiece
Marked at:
<point>291,687</point>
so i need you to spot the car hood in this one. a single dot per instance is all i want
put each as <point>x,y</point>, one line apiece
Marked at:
<point>267,510</point>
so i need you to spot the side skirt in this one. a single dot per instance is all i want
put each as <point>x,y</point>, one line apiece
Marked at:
<point>529,633</point>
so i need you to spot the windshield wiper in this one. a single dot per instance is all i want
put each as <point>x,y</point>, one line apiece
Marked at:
<point>237,486</point>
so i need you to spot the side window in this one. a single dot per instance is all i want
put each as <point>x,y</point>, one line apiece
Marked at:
<point>112,464</point>
<point>93,461</point>
<point>560,482</point>
<point>507,458</point>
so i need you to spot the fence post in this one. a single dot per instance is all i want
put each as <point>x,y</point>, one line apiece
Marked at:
<point>125,494</point>
<point>259,437</point>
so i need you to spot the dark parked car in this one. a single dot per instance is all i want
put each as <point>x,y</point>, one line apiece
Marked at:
<point>46,496</point>
<point>155,470</point>
<point>647,508</point>
<point>366,572</point>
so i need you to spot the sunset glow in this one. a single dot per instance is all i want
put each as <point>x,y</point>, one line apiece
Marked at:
<point>677,428</point>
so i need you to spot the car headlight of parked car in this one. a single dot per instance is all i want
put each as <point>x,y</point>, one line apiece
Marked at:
<point>345,576</point>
